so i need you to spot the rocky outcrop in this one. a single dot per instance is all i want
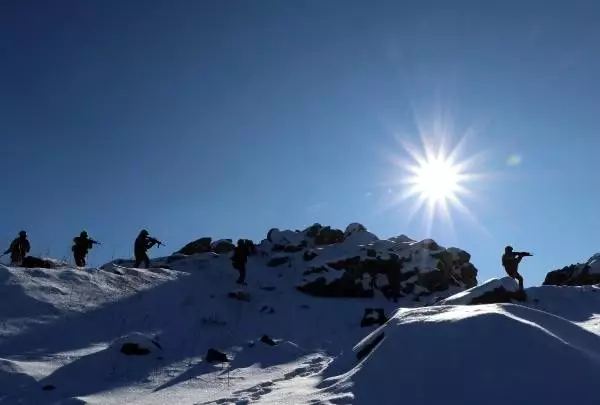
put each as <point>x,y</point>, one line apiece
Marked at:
<point>576,274</point>
<point>222,246</point>
<point>373,316</point>
<point>328,236</point>
<point>343,287</point>
<point>201,245</point>
<point>356,263</point>
<point>394,269</point>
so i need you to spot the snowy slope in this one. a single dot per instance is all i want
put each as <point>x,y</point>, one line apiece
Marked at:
<point>492,354</point>
<point>62,333</point>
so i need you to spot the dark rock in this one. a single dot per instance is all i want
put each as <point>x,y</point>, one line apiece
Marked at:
<point>267,310</point>
<point>269,234</point>
<point>316,270</point>
<point>215,356</point>
<point>201,245</point>
<point>313,230</point>
<point>223,246</point>
<point>239,295</point>
<point>31,262</point>
<point>278,261</point>
<point>267,340</point>
<point>498,296</point>
<point>373,316</point>
<point>342,287</point>
<point>346,264</point>
<point>354,228</point>
<point>573,275</point>
<point>328,236</point>
<point>290,248</point>
<point>48,387</point>
<point>463,258</point>
<point>133,349</point>
<point>469,275</point>
<point>268,288</point>
<point>371,253</point>
<point>408,288</point>
<point>309,255</point>
<point>435,280</point>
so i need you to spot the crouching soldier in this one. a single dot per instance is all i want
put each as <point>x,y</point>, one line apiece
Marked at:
<point>18,249</point>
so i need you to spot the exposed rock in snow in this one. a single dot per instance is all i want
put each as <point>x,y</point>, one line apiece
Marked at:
<point>222,246</point>
<point>201,245</point>
<point>587,273</point>
<point>136,344</point>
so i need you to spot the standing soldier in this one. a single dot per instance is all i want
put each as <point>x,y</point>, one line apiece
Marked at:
<point>18,249</point>
<point>81,245</point>
<point>239,259</point>
<point>142,243</point>
<point>510,262</point>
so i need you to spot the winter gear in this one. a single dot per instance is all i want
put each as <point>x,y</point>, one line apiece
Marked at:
<point>510,262</point>
<point>81,245</point>
<point>239,259</point>
<point>142,243</point>
<point>18,249</point>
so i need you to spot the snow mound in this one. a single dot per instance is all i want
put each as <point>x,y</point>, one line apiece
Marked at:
<point>463,352</point>
<point>135,343</point>
<point>492,291</point>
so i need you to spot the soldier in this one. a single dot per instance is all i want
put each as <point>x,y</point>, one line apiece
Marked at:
<point>239,259</point>
<point>142,243</point>
<point>81,245</point>
<point>510,262</point>
<point>18,249</point>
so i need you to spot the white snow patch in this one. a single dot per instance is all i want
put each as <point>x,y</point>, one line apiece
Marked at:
<point>465,297</point>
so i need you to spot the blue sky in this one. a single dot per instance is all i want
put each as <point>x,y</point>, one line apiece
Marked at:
<point>197,118</point>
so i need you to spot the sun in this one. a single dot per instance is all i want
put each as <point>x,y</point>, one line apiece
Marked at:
<point>437,176</point>
<point>437,180</point>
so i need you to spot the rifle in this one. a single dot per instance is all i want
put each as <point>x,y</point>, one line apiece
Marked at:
<point>155,241</point>
<point>523,254</point>
<point>94,242</point>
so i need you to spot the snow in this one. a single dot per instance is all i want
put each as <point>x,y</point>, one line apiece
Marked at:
<point>459,354</point>
<point>64,330</point>
<point>465,297</point>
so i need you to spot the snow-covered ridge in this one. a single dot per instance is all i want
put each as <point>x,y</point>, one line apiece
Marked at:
<point>184,335</point>
<point>354,262</point>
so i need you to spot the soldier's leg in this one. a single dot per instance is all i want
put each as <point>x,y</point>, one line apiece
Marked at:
<point>519,278</point>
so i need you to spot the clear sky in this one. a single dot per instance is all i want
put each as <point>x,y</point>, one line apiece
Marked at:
<point>227,118</point>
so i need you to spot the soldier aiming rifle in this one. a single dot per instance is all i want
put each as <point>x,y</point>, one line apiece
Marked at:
<point>81,245</point>
<point>510,262</point>
<point>142,243</point>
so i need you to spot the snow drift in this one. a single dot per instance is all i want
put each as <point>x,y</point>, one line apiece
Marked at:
<point>463,354</point>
